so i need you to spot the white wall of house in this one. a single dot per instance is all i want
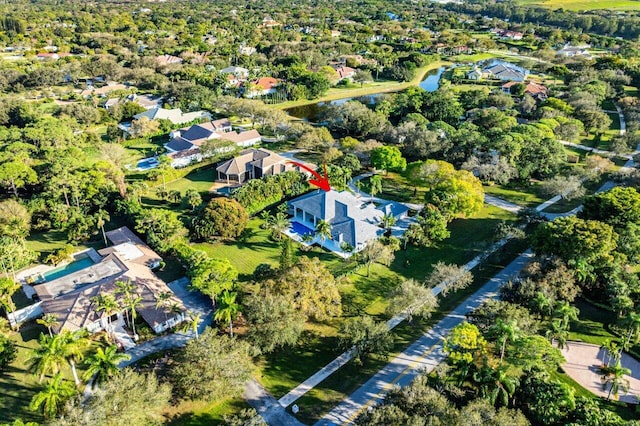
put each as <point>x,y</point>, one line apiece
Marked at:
<point>25,314</point>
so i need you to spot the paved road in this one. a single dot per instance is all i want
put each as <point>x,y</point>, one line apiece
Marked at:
<point>503,204</point>
<point>424,354</point>
<point>595,150</point>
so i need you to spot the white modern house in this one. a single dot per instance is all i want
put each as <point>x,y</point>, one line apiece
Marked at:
<point>354,220</point>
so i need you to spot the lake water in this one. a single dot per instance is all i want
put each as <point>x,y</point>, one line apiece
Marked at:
<point>312,111</point>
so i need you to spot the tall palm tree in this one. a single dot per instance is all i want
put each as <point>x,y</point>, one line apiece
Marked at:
<point>505,331</point>
<point>611,351</point>
<point>228,309</point>
<point>73,345</point>
<point>8,288</point>
<point>48,320</point>
<point>278,224</point>
<point>163,301</point>
<point>107,305</point>
<point>632,321</point>
<point>102,217</point>
<point>558,333</point>
<point>566,313</point>
<point>614,377</point>
<point>51,399</point>
<point>104,363</point>
<point>542,304</point>
<point>323,230</point>
<point>376,186</point>
<point>194,321</point>
<point>48,357</point>
<point>388,220</point>
<point>131,303</point>
<point>125,288</point>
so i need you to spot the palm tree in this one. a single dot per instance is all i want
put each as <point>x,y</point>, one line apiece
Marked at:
<point>107,304</point>
<point>566,313</point>
<point>542,304</point>
<point>228,309</point>
<point>131,303</point>
<point>194,321</point>
<point>506,331</point>
<point>72,347</point>
<point>162,301</point>
<point>558,333</point>
<point>125,288</point>
<point>505,387</point>
<point>632,321</point>
<point>48,357</point>
<point>102,217</point>
<point>614,376</point>
<point>51,399</point>
<point>104,363</point>
<point>174,196</point>
<point>48,320</point>
<point>323,230</point>
<point>388,220</point>
<point>8,288</point>
<point>376,186</point>
<point>278,224</point>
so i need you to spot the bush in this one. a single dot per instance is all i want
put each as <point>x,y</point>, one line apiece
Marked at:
<point>222,217</point>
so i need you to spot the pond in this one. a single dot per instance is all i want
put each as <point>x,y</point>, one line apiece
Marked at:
<point>311,112</point>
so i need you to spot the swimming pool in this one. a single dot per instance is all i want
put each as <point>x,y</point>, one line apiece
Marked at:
<point>300,229</point>
<point>148,163</point>
<point>72,267</point>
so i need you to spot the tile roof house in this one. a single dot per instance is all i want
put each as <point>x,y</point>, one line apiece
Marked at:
<point>70,298</point>
<point>262,87</point>
<point>253,164</point>
<point>240,74</point>
<point>505,72</point>
<point>354,221</point>
<point>185,144</point>
<point>536,90</point>
<point>345,72</point>
<point>165,60</point>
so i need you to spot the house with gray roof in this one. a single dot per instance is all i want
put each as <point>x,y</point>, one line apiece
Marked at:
<point>185,146</point>
<point>354,220</point>
<point>253,164</point>
<point>506,72</point>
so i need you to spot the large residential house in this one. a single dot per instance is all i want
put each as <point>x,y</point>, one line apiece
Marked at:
<point>185,146</point>
<point>505,72</point>
<point>345,72</point>
<point>573,51</point>
<point>174,115</point>
<point>253,164</point>
<point>165,60</point>
<point>235,75</point>
<point>71,298</point>
<point>262,87</point>
<point>354,221</point>
<point>536,90</point>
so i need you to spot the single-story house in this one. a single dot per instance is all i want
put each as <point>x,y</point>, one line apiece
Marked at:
<point>185,144</point>
<point>71,297</point>
<point>536,90</point>
<point>165,60</point>
<point>505,72</point>
<point>353,220</point>
<point>345,72</point>
<point>253,164</point>
<point>174,115</point>
<point>475,74</point>
<point>237,73</point>
<point>262,87</point>
<point>573,51</point>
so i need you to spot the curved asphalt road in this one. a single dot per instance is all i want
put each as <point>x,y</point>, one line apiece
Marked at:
<point>424,354</point>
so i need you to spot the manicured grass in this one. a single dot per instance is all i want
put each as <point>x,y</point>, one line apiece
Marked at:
<point>202,413</point>
<point>473,58</point>
<point>367,89</point>
<point>592,325</point>
<point>584,4</point>
<point>522,196</point>
<point>47,242</point>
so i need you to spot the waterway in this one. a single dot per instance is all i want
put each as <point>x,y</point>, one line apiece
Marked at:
<point>312,112</point>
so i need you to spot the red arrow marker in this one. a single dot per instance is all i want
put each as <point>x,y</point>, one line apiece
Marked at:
<point>321,182</point>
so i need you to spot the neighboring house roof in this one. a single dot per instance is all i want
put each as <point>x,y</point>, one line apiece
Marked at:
<point>179,144</point>
<point>175,115</point>
<point>506,72</point>
<point>344,71</point>
<point>266,83</point>
<point>240,138</point>
<point>531,88</point>
<point>234,70</point>
<point>260,158</point>
<point>168,60</point>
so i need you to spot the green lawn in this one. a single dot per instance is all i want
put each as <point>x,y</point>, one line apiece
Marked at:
<point>523,196</point>
<point>202,413</point>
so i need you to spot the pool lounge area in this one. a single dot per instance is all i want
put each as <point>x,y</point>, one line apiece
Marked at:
<point>301,229</point>
<point>67,269</point>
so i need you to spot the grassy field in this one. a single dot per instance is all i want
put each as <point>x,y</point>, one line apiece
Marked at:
<point>584,4</point>
<point>367,89</point>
